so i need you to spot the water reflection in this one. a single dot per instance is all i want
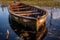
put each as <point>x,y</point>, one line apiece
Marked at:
<point>54,29</point>
<point>26,33</point>
<point>3,6</point>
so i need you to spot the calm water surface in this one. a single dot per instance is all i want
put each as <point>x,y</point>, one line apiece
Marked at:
<point>53,31</point>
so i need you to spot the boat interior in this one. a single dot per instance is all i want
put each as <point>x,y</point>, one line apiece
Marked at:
<point>26,10</point>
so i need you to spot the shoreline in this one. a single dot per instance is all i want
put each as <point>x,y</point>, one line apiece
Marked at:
<point>38,3</point>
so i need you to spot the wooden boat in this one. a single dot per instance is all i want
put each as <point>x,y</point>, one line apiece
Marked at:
<point>27,15</point>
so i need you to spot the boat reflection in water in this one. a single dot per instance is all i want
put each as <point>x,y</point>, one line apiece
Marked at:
<point>27,33</point>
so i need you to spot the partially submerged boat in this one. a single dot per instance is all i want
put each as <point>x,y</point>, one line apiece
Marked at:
<point>27,15</point>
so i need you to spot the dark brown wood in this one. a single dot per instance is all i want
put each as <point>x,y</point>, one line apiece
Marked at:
<point>27,13</point>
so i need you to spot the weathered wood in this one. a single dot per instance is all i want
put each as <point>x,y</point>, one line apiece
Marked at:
<point>27,14</point>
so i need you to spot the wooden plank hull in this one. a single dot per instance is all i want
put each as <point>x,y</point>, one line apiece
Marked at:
<point>33,35</point>
<point>25,22</point>
<point>34,24</point>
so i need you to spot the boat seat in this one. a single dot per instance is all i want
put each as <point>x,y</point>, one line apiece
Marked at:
<point>23,12</point>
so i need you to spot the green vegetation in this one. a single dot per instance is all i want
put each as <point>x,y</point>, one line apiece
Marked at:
<point>35,2</point>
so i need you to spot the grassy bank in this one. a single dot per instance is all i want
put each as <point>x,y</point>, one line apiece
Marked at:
<point>35,2</point>
<point>42,3</point>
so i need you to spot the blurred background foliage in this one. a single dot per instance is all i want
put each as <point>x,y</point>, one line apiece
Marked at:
<point>34,2</point>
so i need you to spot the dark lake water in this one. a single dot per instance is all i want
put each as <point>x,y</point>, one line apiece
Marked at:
<point>52,34</point>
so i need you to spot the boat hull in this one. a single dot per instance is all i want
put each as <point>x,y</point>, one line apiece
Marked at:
<point>31,23</point>
<point>32,34</point>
